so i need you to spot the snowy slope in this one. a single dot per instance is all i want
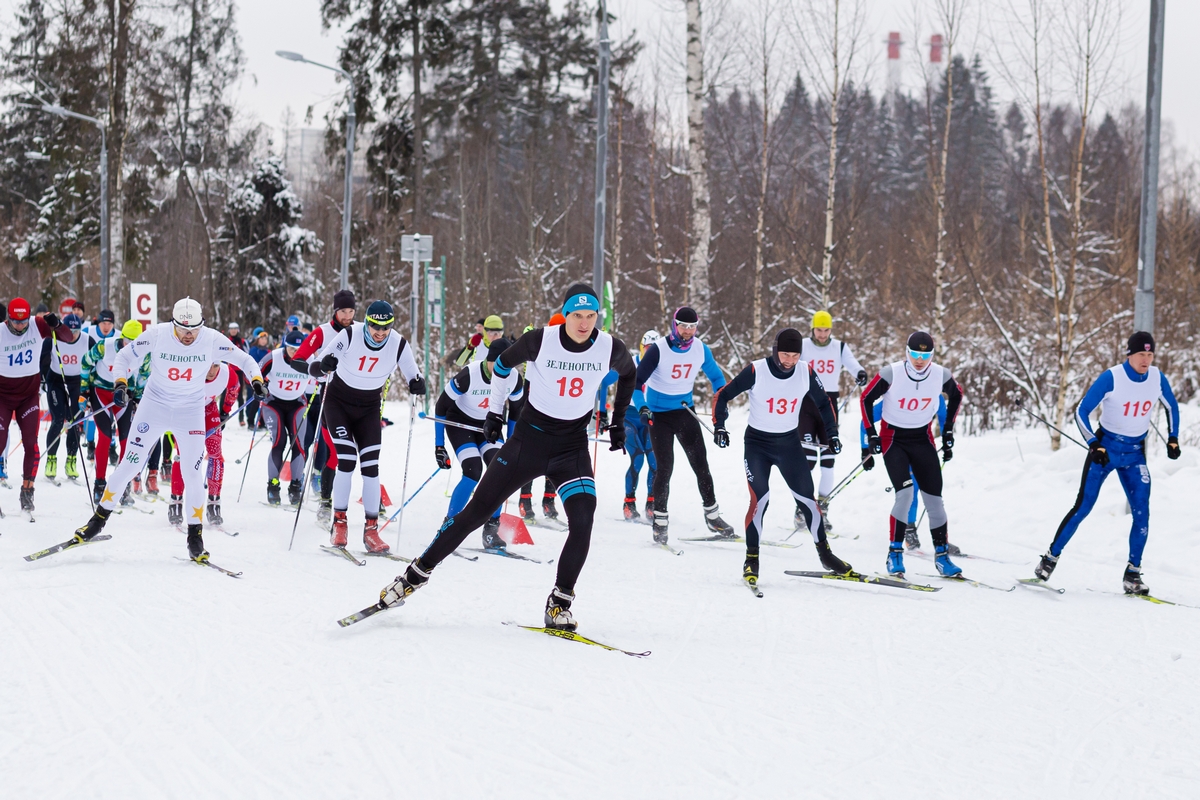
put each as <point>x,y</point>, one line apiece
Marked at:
<point>128,673</point>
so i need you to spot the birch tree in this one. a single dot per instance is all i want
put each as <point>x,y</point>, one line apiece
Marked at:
<point>700,227</point>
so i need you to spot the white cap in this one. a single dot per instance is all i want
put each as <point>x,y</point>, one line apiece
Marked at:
<point>187,314</point>
<point>649,338</point>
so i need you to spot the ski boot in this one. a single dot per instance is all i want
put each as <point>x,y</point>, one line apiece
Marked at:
<point>195,544</point>
<point>798,521</point>
<point>911,540</point>
<point>91,451</point>
<point>3,474</point>
<point>341,533</point>
<point>831,562</point>
<point>152,482</point>
<point>175,510</point>
<point>895,560</point>
<point>630,509</point>
<point>750,569</point>
<point>823,505</point>
<point>127,495</point>
<point>294,491</point>
<point>27,498</point>
<point>396,592</point>
<point>273,492</point>
<point>51,470</point>
<point>1133,581</point>
<point>945,567</point>
<point>491,535</point>
<point>71,471</point>
<point>660,527</point>
<point>113,455</point>
<point>98,488</point>
<point>137,485</point>
<point>1045,567</point>
<point>164,474</point>
<point>315,483</point>
<point>558,610</point>
<point>95,524</point>
<point>525,504</point>
<point>548,509</point>
<point>324,510</point>
<point>712,518</point>
<point>649,508</point>
<point>371,538</point>
<point>214,511</point>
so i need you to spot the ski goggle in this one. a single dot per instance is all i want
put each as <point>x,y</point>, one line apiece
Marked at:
<point>686,326</point>
<point>920,356</point>
<point>494,330</point>
<point>377,324</point>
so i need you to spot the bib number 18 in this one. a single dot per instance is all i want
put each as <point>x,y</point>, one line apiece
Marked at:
<point>572,389</point>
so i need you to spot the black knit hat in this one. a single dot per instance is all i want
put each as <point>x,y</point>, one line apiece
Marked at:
<point>921,342</point>
<point>1140,342</point>
<point>343,299</point>
<point>580,297</point>
<point>688,315</point>
<point>497,347</point>
<point>789,340</point>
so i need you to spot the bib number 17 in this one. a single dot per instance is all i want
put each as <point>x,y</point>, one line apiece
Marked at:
<point>572,389</point>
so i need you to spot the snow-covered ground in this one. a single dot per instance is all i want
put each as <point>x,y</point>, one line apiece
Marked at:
<point>128,673</point>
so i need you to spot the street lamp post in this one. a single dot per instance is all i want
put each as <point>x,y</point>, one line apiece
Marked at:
<point>62,112</point>
<point>351,123</point>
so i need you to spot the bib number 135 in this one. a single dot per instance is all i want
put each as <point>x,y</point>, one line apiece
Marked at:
<point>572,389</point>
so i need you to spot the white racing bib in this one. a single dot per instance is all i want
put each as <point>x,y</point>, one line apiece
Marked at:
<point>563,384</point>
<point>20,356</point>
<point>774,402</point>
<point>1127,409</point>
<point>67,359</point>
<point>676,373</point>
<point>475,400</point>
<point>827,362</point>
<point>909,403</point>
<point>284,382</point>
<point>216,387</point>
<point>365,369</point>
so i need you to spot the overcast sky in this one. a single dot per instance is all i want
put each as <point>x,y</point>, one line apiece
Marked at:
<point>271,84</point>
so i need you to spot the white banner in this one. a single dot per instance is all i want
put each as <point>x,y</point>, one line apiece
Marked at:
<point>143,303</point>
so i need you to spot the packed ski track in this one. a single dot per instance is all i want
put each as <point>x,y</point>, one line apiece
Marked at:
<point>129,673</point>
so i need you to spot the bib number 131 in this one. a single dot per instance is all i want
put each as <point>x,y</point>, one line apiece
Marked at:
<point>572,389</point>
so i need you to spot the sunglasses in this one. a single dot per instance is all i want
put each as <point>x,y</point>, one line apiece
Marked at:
<point>686,326</point>
<point>919,356</point>
<point>494,330</point>
<point>377,326</point>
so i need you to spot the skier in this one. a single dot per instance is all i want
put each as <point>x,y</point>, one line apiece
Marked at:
<point>909,390</point>
<point>104,328</point>
<point>315,346</point>
<point>221,384</point>
<point>667,374</point>
<point>637,442</point>
<point>1126,396</point>
<point>97,382</point>
<point>62,360</point>
<point>361,360</point>
<point>467,400</point>
<point>776,386</point>
<point>566,364</point>
<point>21,338</point>
<point>828,356</point>
<point>284,412</point>
<point>181,353</point>
<point>549,492</point>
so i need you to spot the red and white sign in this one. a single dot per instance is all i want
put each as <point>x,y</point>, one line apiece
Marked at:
<point>143,303</point>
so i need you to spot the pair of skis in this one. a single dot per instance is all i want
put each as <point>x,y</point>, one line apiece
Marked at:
<point>72,543</point>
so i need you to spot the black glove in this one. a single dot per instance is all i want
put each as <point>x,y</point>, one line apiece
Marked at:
<point>259,388</point>
<point>329,363</point>
<point>443,458</point>
<point>646,414</point>
<point>874,444</point>
<point>224,416</point>
<point>416,387</point>
<point>493,425</point>
<point>947,445</point>
<point>835,445</point>
<point>868,460</point>
<point>721,436</point>
<point>861,378</point>
<point>616,436</point>
<point>120,396</point>
<point>51,319</point>
<point>1172,447</point>
<point>1097,453</point>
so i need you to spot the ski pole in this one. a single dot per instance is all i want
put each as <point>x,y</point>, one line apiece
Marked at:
<point>692,411</point>
<point>308,467</point>
<point>412,423</point>
<point>853,474</point>
<point>451,423</point>
<point>395,514</point>
<point>253,434</point>
<point>1021,406</point>
<point>211,431</point>
<point>79,422</point>
<point>87,487</point>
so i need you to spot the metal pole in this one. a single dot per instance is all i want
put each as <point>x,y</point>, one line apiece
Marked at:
<point>425,372</point>
<point>1143,300</point>
<point>351,123</point>
<point>103,219</point>
<point>442,331</point>
<point>414,297</point>
<point>601,152</point>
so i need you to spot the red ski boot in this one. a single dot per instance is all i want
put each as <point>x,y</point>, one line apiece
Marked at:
<point>340,534</point>
<point>371,538</point>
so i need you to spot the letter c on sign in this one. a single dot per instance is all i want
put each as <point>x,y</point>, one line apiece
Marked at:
<point>143,304</point>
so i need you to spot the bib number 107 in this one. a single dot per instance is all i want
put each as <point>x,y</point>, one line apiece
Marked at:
<point>572,389</point>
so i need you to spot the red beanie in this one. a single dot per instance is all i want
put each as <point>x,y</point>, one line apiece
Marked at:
<point>18,309</point>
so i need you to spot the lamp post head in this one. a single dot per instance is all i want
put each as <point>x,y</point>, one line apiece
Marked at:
<point>289,55</point>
